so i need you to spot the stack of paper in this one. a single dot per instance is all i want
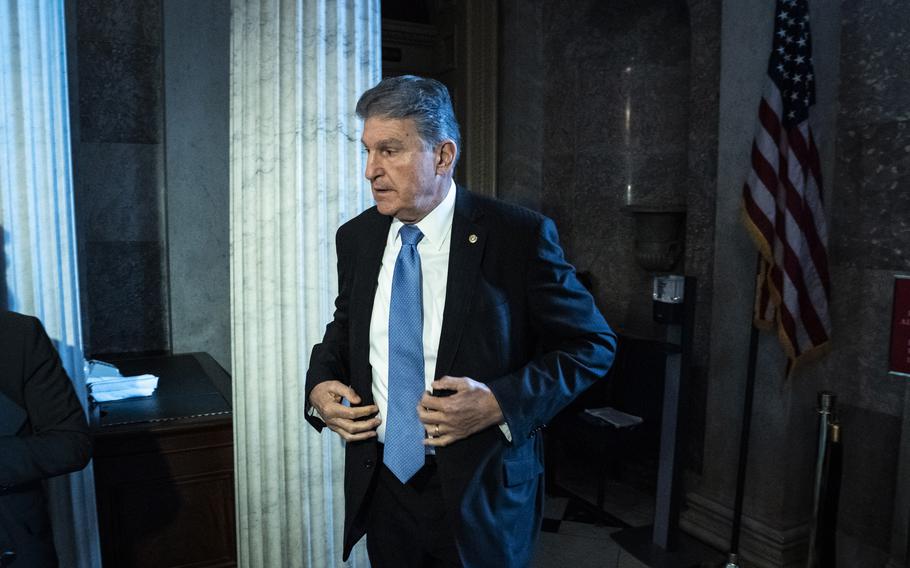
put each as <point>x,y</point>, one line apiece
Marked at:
<point>617,418</point>
<point>105,383</point>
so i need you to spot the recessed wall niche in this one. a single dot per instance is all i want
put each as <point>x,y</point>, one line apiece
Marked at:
<point>616,127</point>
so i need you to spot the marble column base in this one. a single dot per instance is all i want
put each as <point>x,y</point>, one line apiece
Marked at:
<point>761,545</point>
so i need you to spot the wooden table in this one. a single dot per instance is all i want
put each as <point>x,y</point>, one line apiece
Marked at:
<point>164,467</point>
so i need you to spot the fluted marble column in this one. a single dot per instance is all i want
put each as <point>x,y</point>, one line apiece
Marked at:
<point>297,69</point>
<point>38,268</point>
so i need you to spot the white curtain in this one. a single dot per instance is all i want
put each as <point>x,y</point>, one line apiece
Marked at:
<point>38,264</point>
<point>297,69</point>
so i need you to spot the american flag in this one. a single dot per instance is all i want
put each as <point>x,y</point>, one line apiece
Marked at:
<point>782,195</point>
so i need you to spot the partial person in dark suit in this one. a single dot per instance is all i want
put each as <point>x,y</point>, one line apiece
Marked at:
<point>445,292</point>
<point>43,433</point>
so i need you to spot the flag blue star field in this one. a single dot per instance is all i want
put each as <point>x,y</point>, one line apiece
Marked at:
<point>782,197</point>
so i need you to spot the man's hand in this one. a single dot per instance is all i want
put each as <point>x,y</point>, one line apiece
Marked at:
<point>351,423</point>
<point>471,408</point>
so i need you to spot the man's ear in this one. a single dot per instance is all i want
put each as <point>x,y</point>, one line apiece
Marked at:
<point>445,157</point>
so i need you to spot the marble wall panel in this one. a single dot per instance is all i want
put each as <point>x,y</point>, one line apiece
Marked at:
<point>704,18</point>
<point>119,45</point>
<point>870,242</point>
<point>871,202</point>
<point>120,191</point>
<point>520,113</point>
<point>597,235</point>
<point>125,21</point>
<point>870,225</point>
<point>119,174</point>
<point>626,107</point>
<point>197,56</point>
<point>857,367</point>
<point>638,112</point>
<point>853,551</point>
<point>559,185</point>
<point>875,56</point>
<point>866,503</point>
<point>627,93</point>
<point>120,92</point>
<point>129,310</point>
<point>644,31</point>
<point>559,108</point>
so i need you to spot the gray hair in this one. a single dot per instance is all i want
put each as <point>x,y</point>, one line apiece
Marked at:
<point>426,101</point>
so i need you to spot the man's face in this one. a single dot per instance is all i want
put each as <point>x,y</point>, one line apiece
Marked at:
<point>407,178</point>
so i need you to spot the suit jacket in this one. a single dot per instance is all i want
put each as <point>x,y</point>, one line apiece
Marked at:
<point>515,318</point>
<point>51,439</point>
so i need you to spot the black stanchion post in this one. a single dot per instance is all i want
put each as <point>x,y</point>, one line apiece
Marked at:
<point>826,411</point>
<point>827,514</point>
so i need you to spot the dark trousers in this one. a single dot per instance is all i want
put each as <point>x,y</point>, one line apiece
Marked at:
<point>408,526</point>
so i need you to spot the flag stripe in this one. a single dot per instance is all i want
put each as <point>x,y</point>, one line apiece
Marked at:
<point>782,201</point>
<point>798,268</point>
<point>793,264</point>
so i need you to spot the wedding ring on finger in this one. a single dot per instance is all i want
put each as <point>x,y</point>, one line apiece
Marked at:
<point>436,432</point>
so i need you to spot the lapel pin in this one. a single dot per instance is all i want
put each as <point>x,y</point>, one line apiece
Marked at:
<point>472,238</point>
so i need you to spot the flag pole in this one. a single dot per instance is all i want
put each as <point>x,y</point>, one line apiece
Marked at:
<point>785,170</point>
<point>732,557</point>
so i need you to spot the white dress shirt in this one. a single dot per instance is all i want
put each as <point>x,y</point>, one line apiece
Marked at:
<point>434,265</point>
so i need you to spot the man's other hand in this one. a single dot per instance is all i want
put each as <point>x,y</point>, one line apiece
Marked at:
<point>350,422</point>
<point>469,409</point>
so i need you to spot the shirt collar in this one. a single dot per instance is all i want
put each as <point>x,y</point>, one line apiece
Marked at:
<point>437,225</point>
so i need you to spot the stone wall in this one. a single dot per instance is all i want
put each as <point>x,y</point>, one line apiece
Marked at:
<point>149,102</point>
<point>567,80</point>
<point>197,90</point>
<point>118,164</point>
<point>870,244</point>
<point>572,59</point>
<point>861,66</point>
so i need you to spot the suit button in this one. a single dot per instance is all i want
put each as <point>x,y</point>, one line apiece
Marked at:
<point>368,464</point>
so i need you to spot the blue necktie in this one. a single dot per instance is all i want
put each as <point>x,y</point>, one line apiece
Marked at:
<point>404,452</point>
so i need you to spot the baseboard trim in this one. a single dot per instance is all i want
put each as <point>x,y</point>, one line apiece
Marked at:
<point>761,545</point>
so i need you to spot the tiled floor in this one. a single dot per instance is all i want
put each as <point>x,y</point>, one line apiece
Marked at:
<point>576,535</point>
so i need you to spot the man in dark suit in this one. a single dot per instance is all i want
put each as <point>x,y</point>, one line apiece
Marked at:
<point>460,330</point>
<point>43,433</point>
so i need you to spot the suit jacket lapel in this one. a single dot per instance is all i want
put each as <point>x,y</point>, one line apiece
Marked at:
<point>465,254</point>
<point>366,275</point>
